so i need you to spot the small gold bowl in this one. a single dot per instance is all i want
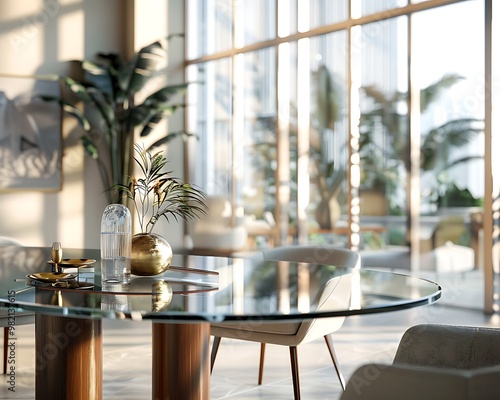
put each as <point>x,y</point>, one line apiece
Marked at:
<point>151,254</point>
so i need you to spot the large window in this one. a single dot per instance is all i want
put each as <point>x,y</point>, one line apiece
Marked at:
<point>358,123</point>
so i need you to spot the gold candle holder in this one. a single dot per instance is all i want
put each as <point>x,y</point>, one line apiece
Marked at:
<point>56,254</point>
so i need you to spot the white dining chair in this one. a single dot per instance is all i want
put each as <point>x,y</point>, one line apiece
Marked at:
<point>292,334</point>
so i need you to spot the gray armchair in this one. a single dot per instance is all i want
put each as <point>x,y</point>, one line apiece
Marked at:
<point>434,362</point>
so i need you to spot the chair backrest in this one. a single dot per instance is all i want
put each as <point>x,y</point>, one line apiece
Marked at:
<point>448,346</point>
<point>314,254</point>
<point>336,293</point>
<point>8,241</point>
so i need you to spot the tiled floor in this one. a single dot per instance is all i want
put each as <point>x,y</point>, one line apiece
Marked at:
<point>127,357</point>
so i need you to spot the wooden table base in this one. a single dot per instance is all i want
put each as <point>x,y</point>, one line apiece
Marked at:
<point>181,361</point>
<point>68,358</point>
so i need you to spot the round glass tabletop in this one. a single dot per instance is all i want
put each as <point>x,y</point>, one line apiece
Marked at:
<point>209,288</point>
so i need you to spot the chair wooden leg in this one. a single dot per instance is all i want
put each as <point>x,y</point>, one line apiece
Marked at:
<point>5,348</point>
<point>329,343</point>
<point>294,362</point>
<point>215,349</point>
<point>261,364</point>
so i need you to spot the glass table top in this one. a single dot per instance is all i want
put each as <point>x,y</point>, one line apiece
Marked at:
<point>209,288</point>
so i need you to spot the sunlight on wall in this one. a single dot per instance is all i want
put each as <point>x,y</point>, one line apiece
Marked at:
<point>70,206</point>
<point>40,37</point>
<point>150,22</point>
<point>22,217</point>
<point>38,218</point>
<point>22,35</point>
<point>71,43</point>
<point>70,214</point>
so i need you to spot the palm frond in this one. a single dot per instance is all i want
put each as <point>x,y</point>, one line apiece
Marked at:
<point>142,67</point>
<point>89,147</point>
<point>439,141</point>
<point>170,136</point>
<point>171,198</point>
<point>69,108</point>
<point>463,160</point>
<point>119,74</point>
<point>153,119</point>
<point>430,94</point>
<point>148,117</point>
<point>326,99</point>
<point>92,96</point>
<point>164,94</point>
<point>99,76</point>
<point>376,95</point>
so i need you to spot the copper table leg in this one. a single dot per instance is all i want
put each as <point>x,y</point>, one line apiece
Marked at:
<point>181,361</point>
<point>68,358</point>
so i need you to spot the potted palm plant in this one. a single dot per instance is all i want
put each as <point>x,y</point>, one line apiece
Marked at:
<point>113,113</point>
<point>326,176</point>
<point>381,165</point>
<point>155,194</point>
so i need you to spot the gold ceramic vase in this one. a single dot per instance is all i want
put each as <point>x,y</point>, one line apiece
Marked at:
<point>151,254</point>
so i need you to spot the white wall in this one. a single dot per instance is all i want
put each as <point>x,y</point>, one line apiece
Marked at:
<point>41,37</point>
<point>154,19</point>
<point>38,37</point>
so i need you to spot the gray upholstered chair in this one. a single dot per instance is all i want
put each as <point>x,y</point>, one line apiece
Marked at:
<point>294,333</point>
<point>434,362</point>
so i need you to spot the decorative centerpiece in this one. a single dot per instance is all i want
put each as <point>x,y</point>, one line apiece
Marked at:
<point>157,195</point>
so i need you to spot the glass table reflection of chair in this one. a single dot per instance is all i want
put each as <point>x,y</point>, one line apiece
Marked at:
<point>68,320</point>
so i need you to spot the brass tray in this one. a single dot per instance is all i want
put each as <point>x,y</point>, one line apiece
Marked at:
<point>62,284</point>
<point>50,277</point>
<point>73,262</point>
